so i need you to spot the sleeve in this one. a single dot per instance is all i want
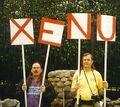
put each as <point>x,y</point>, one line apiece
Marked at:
<point>100,84</point>
<point>74,80</point>
<point>20,94</point>
<point>50,94</point>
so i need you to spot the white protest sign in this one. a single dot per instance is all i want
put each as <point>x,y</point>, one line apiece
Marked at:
<point>106,31</point>
<point>22,34</point>
<point>79,26</point>
<point>51,32</point>
<point>106,28</point>
<point>21,31</point>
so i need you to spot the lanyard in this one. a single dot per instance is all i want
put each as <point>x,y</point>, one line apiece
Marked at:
<point>88,81</point>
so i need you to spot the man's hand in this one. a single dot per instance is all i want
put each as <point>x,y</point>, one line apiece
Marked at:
<point>74,90</point>
<point>105,84</point>
<point>42,88</point>
<point>24,87</point>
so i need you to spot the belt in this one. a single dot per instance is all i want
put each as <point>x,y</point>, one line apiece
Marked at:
<point>89,102</point>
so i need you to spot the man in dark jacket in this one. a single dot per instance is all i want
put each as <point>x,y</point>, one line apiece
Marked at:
<point>34,87</point>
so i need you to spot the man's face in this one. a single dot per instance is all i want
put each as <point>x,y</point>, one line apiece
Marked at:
<point>87,61</point>
<point>36,69</point>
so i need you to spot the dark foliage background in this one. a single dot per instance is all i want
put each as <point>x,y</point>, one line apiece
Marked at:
<point>64,57</point>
